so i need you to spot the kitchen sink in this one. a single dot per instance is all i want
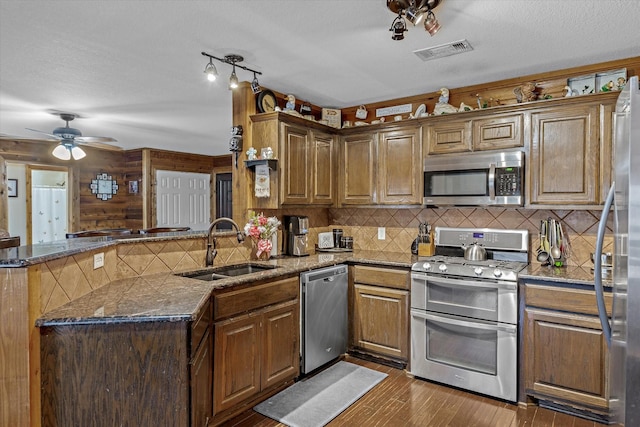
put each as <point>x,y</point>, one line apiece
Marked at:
<point>226,271</point>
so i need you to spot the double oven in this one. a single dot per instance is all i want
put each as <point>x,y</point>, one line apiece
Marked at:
<point>464,314</point>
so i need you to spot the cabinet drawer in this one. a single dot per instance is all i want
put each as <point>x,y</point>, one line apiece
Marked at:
<point>398,279</point>
<point>565,299</point>
<point>249,298</point>
<point>200,326</point>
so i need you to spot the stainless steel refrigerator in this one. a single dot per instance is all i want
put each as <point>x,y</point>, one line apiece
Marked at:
<point>623,332</point>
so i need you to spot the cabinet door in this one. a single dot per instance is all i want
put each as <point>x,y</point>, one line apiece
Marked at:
<point>452,136</point>
<point>322,169</point>
<point>498,132</point>
<point>236,373</point>
<point>380,318</point>
<point>566,358</point>
<point>400,167</point>
<point>295,165</point>
<point>280,344</point>
<point>564,167</point>
<point>201,384</point>
<point>357,166</point>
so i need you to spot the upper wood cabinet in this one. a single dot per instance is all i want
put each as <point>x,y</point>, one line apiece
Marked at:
<point>381,167</point>
<point>357,166</point>
<point>294,164</point>
<point>400,167</point>
<point>323,168</point>
<point>457,134</point>
<point>570,154</point>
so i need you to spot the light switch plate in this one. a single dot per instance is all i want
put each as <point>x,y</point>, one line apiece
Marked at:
<point>382,232</point>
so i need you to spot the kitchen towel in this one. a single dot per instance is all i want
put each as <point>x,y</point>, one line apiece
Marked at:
<point>315,401</point>
<point>262,181</point>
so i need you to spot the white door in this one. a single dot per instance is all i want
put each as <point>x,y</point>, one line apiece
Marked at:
<point>182,199</point>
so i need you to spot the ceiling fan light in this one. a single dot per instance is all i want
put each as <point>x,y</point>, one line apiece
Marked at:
<point>78,153</point>
<point>233,80</point>
<point>61,152</point>
<point>431,24</point>
<point>211,71</point>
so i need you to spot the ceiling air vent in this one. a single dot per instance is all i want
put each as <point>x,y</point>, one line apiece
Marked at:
<point>443,50</point>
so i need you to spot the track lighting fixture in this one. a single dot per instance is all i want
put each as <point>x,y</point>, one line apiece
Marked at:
<point>233,60</point>
<point>413,11</point>
<point>65,150</point>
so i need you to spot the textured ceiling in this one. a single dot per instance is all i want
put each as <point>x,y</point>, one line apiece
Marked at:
<point>134,70</point>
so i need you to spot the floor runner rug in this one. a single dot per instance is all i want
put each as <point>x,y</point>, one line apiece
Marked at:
<point>315,401</point>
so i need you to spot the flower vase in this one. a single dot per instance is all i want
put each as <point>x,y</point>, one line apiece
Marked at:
<point>264,255</point>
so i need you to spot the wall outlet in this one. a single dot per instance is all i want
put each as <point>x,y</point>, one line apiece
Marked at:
<point>98,260</point>
<point>381,233</point>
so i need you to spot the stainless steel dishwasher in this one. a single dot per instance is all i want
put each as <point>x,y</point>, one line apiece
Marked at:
<point>323,308</point>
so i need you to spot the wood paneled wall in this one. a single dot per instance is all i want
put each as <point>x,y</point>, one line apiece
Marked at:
<point>124,209</point>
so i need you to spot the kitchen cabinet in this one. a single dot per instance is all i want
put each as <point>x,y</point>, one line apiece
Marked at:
<point>358,166</point>
<point>565,356</point>
<point>379,309</point>
<point>381,168</point>
<point>257,336</point>
<point>114,370</point>
<point>400,167</point>
<point>463,133</point>
<point>307,160</point>
<point>571,154</point>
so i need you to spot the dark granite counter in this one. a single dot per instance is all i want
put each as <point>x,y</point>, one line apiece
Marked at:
<point>23,256</point>
<point>562,275</point>
<point>170,297</point>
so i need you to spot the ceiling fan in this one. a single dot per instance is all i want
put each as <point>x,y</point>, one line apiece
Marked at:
<point>70,138</point>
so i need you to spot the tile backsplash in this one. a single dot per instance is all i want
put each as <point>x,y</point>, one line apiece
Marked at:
<point>402,226</point>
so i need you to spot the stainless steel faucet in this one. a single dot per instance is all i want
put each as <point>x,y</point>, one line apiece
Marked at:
<point>211,241</point>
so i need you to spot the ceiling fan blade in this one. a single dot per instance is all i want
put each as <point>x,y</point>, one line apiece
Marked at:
<point>45,133</point>
<point>98,143</point>
<point>95,139</point>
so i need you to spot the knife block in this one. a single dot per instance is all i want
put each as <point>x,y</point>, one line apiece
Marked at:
<point>428,248</point>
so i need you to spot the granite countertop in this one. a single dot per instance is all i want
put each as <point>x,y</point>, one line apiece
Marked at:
<point>170,297</point>
<point>23,256</point>
<point>567,274</point>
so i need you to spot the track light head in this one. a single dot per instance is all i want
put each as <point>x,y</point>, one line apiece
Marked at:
<point>398,27</point>
<point>210,71</point>
<point>431,24</point>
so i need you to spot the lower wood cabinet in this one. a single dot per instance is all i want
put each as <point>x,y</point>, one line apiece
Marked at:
<point>380,312</point>
<point>257,343</point>
<point>565,354</point>
<point>134,373</point>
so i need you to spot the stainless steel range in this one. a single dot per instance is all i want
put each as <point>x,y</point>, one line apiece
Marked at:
<point>464,313</point>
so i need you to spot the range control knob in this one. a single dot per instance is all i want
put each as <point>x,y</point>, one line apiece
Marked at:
<point>497,272</point>
<point>426,266</point>
<point>478,271</point>
<point>442,267</point>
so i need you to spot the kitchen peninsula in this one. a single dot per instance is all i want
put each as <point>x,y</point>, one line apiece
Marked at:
<point>129,300</point>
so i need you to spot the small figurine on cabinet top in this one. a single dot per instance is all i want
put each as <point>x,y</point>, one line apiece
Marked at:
<point>251,154</point>
<point>443,106</point>
<point>291,102</point>
<point>526,92</point>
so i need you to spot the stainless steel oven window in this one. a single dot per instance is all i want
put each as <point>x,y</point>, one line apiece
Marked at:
<point>461,346</point>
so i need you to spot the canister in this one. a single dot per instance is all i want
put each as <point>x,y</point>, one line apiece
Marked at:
<point>346,242</point>
<point>337,237</point>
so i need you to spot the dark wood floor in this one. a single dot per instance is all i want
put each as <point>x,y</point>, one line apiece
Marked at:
<point>400,400</point>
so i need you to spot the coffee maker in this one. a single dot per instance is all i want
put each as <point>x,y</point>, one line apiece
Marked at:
<point>294,238</point>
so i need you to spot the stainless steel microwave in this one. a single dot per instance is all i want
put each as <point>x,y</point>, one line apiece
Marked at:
<point>474,179</point>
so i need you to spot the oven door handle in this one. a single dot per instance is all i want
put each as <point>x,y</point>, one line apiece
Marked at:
<point>479,284</point>
<point>475,325</point>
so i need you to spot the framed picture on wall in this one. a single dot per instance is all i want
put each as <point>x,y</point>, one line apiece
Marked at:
<point>12,187</point>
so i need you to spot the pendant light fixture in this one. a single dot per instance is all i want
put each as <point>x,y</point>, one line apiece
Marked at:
<point>233,60</point>
<point>413,11</point>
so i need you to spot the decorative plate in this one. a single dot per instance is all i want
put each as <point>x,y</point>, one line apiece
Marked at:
<point>325,240</point>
